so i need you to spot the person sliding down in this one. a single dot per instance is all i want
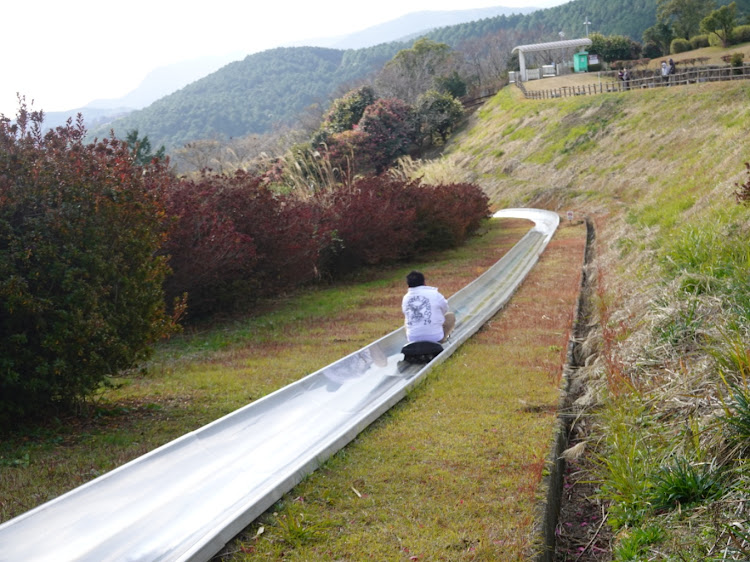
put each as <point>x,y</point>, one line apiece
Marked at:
<point>426,315</point>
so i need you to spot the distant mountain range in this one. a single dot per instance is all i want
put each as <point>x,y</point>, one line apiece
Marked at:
<point>409,27</point>
<point>158,83</point>
<point>165,80</point>
<point>273,87</point>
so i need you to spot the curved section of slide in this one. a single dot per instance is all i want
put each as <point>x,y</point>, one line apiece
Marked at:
<point>186,499</point>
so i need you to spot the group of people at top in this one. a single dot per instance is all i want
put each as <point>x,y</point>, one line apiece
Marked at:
<point>667,70</point>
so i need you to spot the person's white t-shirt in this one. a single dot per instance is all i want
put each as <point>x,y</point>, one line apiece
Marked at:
<point>424,313</point>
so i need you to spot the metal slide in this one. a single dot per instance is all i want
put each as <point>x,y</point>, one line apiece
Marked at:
<point>188,498</point>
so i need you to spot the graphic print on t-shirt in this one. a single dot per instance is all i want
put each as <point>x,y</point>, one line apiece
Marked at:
<point>418,311</point>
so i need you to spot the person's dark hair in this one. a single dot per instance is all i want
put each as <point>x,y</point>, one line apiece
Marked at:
<point>415,279</point>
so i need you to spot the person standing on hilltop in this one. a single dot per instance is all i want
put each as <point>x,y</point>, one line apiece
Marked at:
<point>664,72</point>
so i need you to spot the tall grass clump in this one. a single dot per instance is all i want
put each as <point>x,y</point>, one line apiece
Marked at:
<point>712,257</point>
<point>680,483</point>
<point>634,545</point>
<point>735,374</point>
<point>625,463</point>
<point>737,418</point>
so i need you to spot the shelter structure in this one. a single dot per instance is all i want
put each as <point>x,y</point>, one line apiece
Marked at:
<point>551,46</point>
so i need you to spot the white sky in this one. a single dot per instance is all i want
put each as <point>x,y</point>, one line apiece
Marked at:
<point>64,54</point>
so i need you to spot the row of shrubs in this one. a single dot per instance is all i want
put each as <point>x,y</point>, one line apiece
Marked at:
<point>236,240</point>
<point>93,246</point>
<point>740,34</point>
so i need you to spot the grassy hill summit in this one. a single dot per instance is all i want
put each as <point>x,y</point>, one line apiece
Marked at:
<point>662,403</point>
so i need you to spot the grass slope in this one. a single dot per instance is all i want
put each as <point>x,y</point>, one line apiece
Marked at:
<point>656,171</point>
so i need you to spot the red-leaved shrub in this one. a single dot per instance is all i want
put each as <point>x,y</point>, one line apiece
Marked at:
<point>447,214</point>
<point>389,128</point>
<point>209,258</point>
<point>286,231</point>
<point>80,282</point>
<point>369,223</point>
<point>235,241</point>
<point>346,152</point>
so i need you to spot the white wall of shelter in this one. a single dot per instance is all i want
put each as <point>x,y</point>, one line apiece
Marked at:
<point>551,46</point>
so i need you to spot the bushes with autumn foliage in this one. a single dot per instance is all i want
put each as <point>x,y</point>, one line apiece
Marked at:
<point>371,222</point>
<point>80,279</point>
<point>447,214</point>
<point>235,240</point>
<point>389,127</point>
<point>93,245</point>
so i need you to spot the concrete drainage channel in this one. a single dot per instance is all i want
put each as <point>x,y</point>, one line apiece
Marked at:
<point>567,414</point>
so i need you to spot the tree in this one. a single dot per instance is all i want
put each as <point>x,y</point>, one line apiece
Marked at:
<point>660,35</point>
<point>142,148</point>
<point>389,126</point>
<point>452,84</point>
<point>413,71</point>
<point>348,153</point>
<point>80,278</point>
<point>344,114</point>
<point>614,47</point>
<point>487,60</point>
<point>437,115</point>
<point>721,22</point>
<point>346,111</point>
<point>683,16</point>
<point>201,154</point>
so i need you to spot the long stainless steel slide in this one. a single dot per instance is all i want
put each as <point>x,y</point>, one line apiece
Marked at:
<point>186,499</point>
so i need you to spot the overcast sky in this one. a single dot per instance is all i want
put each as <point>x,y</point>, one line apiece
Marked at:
<point>64,54</point>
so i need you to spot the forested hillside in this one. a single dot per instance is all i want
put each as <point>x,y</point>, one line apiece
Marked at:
<point>273,87</point>
<point>609,17</point>
<point>252,95</point>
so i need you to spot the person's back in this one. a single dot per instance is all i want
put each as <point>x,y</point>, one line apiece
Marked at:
<point>426,315</point>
